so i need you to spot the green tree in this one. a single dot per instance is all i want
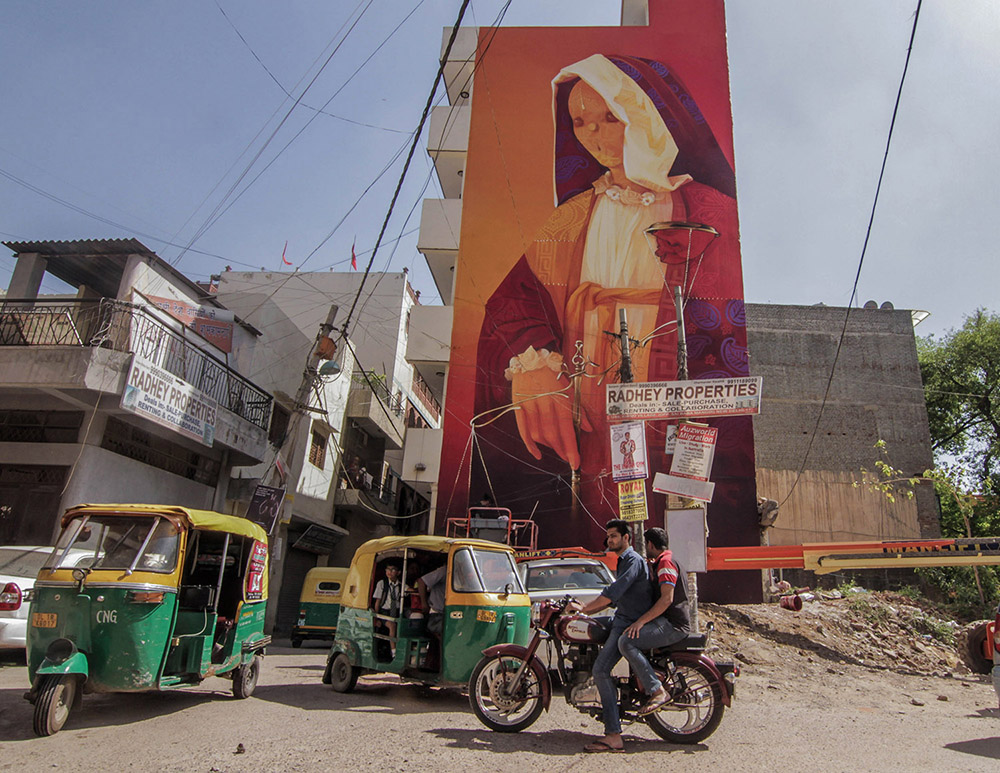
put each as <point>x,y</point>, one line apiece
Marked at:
<point>961,376</point>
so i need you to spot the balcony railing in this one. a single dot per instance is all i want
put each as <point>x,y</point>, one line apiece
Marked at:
<point>376,384</point>
<point>126,327</point>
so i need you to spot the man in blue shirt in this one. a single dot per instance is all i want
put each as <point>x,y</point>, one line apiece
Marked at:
<point>632,595</point>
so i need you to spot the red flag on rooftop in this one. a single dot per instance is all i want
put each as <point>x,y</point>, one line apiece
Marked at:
<point>354,258</point>
<point>283,260</point>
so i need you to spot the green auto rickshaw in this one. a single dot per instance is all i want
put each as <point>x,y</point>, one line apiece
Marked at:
<point>162,598</point>
<point>319,604</point>
<point>484,604</point>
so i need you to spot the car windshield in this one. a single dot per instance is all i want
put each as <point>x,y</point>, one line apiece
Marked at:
<point>22,563</point>
<point>568,576</point>
<point>112,542</point>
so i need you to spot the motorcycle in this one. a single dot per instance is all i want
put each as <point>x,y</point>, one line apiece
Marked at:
<point>510,686</point>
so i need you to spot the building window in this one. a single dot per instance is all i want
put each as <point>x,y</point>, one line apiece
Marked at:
<point>130,441</point>
<point>279,424</point>
<point>40,426</point>
<point>317,449</point>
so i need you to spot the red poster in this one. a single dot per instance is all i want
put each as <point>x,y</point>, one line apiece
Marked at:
<point>256,572</point>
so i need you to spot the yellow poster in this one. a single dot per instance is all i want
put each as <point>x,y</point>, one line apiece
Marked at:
<point>632,500</point>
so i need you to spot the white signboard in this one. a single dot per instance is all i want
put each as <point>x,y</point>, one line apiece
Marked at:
<point>683,487</point>
<point>688,538</point>
<point>162,397</point>
<point>628,451</point>
<point>684,399</point>
<point>694,451</point>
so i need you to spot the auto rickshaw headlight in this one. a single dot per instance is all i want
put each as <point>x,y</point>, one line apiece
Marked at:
<point>60,650</point>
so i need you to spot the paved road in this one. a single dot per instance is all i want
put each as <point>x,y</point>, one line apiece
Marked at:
<point>847,721</point>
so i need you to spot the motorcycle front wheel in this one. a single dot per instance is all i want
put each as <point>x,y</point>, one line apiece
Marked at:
<point>695,709</point>
<point>499,705</point>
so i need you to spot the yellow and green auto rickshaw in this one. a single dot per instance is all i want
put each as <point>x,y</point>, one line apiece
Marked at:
<point>165,597</point>
<point>481,599</point>
<point>319,604</point>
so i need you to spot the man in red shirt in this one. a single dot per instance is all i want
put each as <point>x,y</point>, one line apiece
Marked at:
<point>666,622</point>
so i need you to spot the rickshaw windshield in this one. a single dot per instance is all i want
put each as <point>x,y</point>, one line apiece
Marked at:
<point>477,570</point>
<point>113,542</point>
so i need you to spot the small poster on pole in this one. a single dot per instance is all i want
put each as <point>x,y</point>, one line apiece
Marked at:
<point>692,463</point>
<point>632,500</point>
<point>628,451</point>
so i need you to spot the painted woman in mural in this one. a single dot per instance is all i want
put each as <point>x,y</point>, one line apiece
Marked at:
<point>631,149</point>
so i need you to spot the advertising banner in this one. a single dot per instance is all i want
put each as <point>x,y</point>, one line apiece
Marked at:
<point>171,402</point>
<point>632,500</point>
<point>694,451</point>
<point>685,399</point>
<point>628,451</point>
<point>210,322</point>
<point>265,506</point>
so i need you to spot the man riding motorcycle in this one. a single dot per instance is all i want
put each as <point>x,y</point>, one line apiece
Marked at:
<point>666,622</point>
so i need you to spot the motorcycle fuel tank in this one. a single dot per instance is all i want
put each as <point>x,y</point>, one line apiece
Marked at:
<point>582,629</point>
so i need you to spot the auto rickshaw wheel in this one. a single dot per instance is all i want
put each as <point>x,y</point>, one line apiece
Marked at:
<point>245,678</point>
<point>296,642</point>
<point>56,696</point>
<point>343,676</point>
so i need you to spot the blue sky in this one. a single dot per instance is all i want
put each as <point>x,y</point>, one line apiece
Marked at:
<point>145,115</point>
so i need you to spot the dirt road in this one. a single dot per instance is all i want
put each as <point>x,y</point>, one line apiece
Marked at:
<point>828,716</point>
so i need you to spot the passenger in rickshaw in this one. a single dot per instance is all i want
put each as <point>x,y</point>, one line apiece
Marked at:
<point>387,600</point>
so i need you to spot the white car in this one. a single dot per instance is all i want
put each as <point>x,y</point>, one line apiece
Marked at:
<point>553,578</point>
<point>19,566</point>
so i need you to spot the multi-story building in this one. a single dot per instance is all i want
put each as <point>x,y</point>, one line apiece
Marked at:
<point>132,389</point>
<point>343,444</point>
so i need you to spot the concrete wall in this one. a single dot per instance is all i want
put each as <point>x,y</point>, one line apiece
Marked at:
<point>876,394</point>
<point>102,476</point>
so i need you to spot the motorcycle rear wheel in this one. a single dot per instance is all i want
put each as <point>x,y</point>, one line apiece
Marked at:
<point>696,708</point>
<point>492,701</point>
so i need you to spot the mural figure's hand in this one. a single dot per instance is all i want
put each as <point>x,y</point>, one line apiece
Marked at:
<point>546,415</point>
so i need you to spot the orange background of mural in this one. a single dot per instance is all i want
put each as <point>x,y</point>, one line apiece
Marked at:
<point>509,189</point>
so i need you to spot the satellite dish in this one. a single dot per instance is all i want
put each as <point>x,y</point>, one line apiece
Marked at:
<point>871,305</point>
<point>329,368</point>
<point>887,306</point>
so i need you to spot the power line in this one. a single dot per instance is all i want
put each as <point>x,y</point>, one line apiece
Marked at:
<point>413,146</point>
<point>864,249</point>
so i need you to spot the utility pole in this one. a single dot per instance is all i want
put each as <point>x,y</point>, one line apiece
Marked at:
<point>682,375</point>
<point>625,374</point>
<point>291,452</point>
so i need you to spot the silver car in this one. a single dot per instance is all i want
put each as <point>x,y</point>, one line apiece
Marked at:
<point>19,566</point>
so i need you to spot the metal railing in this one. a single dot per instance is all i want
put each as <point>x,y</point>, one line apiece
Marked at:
<point>376,385</point>
<point>126,327</point>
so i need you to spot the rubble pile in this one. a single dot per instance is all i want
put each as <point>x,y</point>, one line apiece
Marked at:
<point>879,630</point>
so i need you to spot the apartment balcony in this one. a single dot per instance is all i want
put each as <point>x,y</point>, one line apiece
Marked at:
<point>376,410</point>
<point>458,69</point>
<point>428,345</point>
<point>440,226</point>
<point>71,348</point>
<point>447,145</point>
<point>422,459</point>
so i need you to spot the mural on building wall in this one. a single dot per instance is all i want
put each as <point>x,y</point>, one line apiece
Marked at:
<point>627,127</point>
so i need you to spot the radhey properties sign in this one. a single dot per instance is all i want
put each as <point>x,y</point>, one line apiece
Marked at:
<point>685,399</point>
<point>161,397</point>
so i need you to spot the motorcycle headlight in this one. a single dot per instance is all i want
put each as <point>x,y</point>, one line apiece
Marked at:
<point>536,614</point>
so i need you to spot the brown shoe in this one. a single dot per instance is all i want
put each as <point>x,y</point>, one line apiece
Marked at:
<point>655,701</point>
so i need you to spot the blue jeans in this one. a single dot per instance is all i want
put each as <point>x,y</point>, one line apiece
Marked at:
<point>655,633</point>
<point>606,660</point>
